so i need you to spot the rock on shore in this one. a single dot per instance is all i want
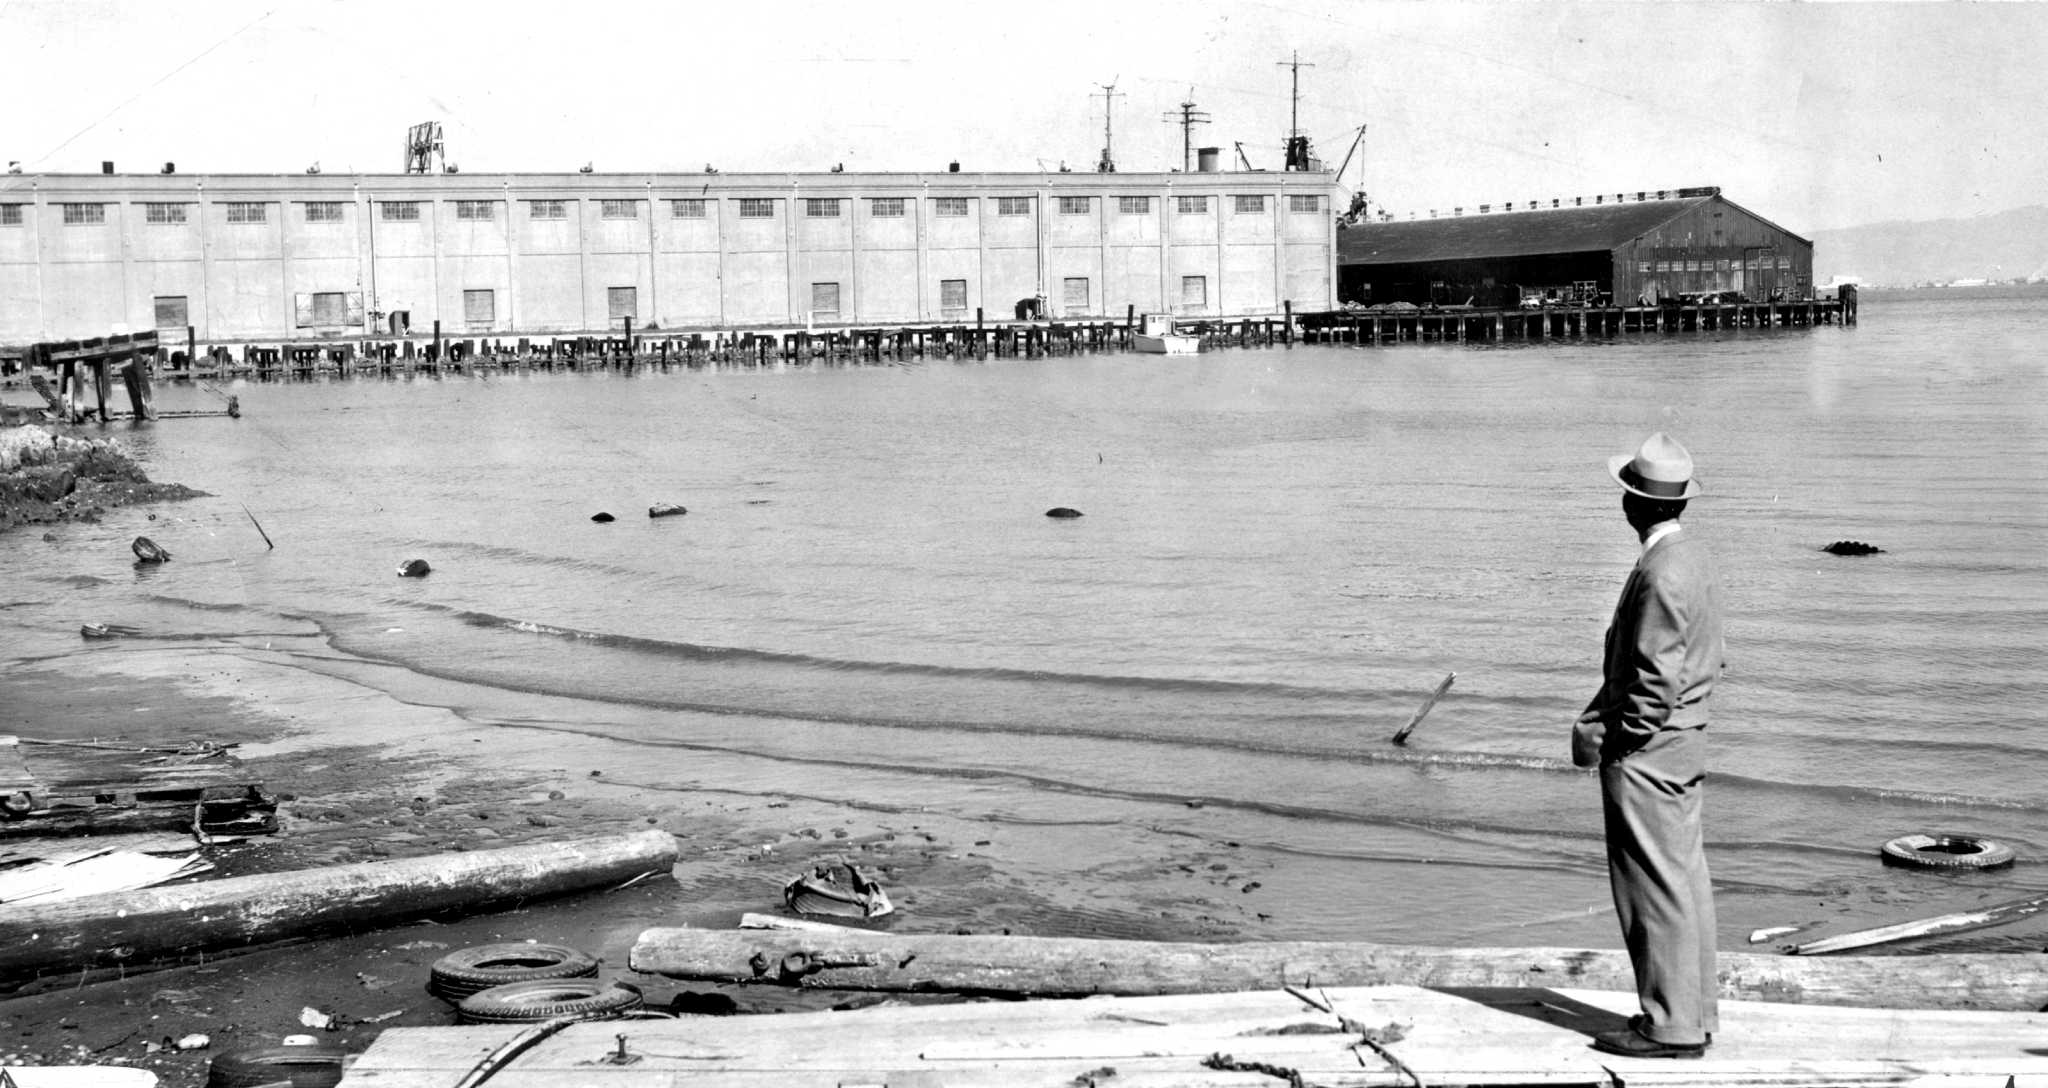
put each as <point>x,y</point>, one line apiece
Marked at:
<point>48,477</point>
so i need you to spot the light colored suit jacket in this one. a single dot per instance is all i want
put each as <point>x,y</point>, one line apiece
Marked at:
<point>1664,653</point>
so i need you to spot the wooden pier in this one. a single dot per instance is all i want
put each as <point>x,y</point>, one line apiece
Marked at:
<point>435,353</point>
<point>1390,325</point>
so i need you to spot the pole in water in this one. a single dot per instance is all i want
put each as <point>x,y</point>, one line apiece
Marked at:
<point>259,527</point>
<point>1402,736</point>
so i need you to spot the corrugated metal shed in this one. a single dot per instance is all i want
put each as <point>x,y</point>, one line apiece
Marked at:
<point>1600,228</point>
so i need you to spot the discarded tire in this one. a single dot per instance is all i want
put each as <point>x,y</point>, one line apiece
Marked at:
<point>315,1066</point>
<point>1947,852</point>
<point>533,1002</point>
<point>460,974</point>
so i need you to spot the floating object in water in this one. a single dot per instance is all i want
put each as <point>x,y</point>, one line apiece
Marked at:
<point>1942,926</point>
<point>1852,547</point>
<point>414,568</point>
<point>95,630</point>
<point>1063,512</point>
<point>665,510</point>
<point>149,551</point>
<point>1946,852</point>
<point>821,893</point>
<point>601,517</point>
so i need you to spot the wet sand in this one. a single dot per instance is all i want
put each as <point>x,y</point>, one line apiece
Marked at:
<point>364,774</point>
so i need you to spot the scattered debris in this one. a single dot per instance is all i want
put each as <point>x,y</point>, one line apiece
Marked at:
<point>1852,547</point>
<point>92,871</point>
<point>149,551</point>
<point>820,892</point>
<point>414,568</point>
<point>1759,936</point>
<point>666,510</point>
<point>1063,512</point>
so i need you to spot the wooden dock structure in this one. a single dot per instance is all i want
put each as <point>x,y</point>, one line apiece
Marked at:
<point>145,355</point>
<point>1392,325</point>
<point>1404,1036</point>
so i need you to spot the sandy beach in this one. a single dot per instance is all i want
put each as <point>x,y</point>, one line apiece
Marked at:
<point>363,776</point>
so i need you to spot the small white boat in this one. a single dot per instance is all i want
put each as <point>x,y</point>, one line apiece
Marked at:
<point>1155,336</point>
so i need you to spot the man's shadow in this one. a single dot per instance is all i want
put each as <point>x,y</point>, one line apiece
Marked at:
<point>1546,1006</point>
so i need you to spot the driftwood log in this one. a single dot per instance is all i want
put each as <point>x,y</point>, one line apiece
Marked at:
<point>130,928</point>
<point>852,959</point>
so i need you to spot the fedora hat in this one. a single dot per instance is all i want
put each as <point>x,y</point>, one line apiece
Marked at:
<point>1661,469</point>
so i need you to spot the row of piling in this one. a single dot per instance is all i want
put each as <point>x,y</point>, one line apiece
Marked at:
<point>1457,325</point>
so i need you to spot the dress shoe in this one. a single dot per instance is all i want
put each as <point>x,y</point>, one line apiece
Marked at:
<point>1640,1021</point>
<point>1633,1044</point>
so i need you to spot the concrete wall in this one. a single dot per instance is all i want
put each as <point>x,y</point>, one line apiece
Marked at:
<point>309,256</point>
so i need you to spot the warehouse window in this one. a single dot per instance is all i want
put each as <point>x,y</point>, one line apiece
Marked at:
<point>399,211</point>
<point>324,211</point>
<point>1074,294</point>
<point>1134,205</point>
<point>10,215</point>
<point>949,205</point>
<point>1072,205</point>
<point>757,208</point>
<point>821,208</point>
<point>166,214</point>
<point>475,209</point>
<point>952,298</point>
<point>1297,202</point>
<point>1013,205</point>
<point>622,302</point>
<point>480,308</point>
<point>886,207</point>
<point>689,208</point>
<point>1248,205</point>
<point>1191,205</point>
<point>1194,293</point>
<point>825,301</point>
<point>547,209</point>
<point>246,212</point>
<point>172,312</point>
<point>618,209</point>
<point>78,215</point>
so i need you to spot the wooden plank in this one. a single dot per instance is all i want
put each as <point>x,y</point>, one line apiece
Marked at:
<point>1439,1039</point>
<point>162,923</point>
<point>1044,966</point>
<point>1940,925</point>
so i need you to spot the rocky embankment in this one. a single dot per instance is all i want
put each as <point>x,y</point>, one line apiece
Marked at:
<point>50,477</point>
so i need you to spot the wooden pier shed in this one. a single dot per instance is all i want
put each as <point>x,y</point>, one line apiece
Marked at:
<point>1609,250</point>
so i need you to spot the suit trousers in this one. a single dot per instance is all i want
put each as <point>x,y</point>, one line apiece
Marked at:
<point>1656,861</point>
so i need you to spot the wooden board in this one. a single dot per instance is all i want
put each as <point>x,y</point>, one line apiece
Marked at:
<point>1519,1037</point>
<point>853,959</point>
<point>91,788</point>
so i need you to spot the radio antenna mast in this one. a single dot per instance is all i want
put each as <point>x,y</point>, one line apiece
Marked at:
<point>1189,117</point>
<point>1297,144</point>
<point>1109,96</point>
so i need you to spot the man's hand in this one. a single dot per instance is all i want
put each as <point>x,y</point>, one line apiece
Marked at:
<point>1589,735</point>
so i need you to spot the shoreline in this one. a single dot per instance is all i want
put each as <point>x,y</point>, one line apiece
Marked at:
<point>362,774</point>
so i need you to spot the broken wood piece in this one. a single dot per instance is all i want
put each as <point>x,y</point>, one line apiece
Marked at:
<point>1052,966</point>
<point>1940,925</point>
<point>92,871</point>
<point>1402,736</point>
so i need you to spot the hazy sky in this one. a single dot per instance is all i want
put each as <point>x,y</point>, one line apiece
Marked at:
<point>1815,115</point>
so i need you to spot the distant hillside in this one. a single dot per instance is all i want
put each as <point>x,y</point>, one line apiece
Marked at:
<point>2005,246</point>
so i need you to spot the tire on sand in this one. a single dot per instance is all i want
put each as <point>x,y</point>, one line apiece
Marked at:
<point>1947,852</point>
<point>555,999</point>
<point>316,1065</point>
<point>460,974</point>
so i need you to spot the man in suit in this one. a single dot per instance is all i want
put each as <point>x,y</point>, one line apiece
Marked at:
<point>1646,730</point>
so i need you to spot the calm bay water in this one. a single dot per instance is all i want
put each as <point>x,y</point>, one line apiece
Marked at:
<point>1283,552</point>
